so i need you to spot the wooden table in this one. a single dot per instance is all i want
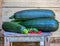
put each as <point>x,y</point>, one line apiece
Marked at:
<point>14,37</point>
<point>1,39</point>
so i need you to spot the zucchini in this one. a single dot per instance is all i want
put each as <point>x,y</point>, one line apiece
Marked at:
<point>33,13</point>
<point>15,20</point>
<point>14,27</point>
<point>45,24</point>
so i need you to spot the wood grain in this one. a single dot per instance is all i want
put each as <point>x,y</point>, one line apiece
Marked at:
<point>31,3</point>
<point>0,14</point>
<point>25,43</point>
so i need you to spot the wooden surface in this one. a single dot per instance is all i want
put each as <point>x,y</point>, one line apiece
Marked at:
<point>25,43</point>
<point>55,44</point>
<point>0,14</point>
<point>1,35</point>
<point>7,34</point>
<point>1,41</point>
<point>31,3</point>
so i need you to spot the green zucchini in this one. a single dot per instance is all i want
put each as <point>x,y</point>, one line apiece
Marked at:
<point>45,24</point>
<point>33,13</point>
<point>14,27</point>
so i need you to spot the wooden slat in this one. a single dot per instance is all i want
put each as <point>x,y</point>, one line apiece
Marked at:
<point>25,43</point>
<point>10,34</point>
<point>1,41</point>
<point>31,3</point>
<point>0,14</point>
<point>55,44</point>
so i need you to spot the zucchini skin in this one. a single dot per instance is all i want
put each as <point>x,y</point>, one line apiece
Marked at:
<point>13,27</point>
<point>33,13</point>
<point>45,24</point>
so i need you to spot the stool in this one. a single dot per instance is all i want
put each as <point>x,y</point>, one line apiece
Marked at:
<point>15,37</point>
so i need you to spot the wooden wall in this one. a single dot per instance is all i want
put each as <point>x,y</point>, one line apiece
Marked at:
<point>0,14</point>
<point>12,6</point>
<point>1,41</point>
<point>32,3</point>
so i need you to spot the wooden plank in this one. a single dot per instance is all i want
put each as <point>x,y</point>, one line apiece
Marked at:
<point>1,41</point>
<point>55,44</point>
<point>10,34</point>
<point>24,43</point>
<point>0,14</point>
<point>6,41</point>
<point>31,3</point>
<point>54,40</point>
<point>24,39</point>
